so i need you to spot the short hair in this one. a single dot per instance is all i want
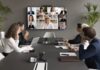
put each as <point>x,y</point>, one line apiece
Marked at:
<point>89,32</point>
<point>79,25</point>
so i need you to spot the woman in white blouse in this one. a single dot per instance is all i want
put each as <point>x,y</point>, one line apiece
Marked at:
<point>12,39</point>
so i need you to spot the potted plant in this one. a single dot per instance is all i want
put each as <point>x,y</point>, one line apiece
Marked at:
<point>4,10</point>
<point>93,15</point>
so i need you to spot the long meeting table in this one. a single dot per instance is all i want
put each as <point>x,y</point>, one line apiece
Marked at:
<point>20,61</point>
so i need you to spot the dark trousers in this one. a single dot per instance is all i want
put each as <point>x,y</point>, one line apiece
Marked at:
<point>91,63</point>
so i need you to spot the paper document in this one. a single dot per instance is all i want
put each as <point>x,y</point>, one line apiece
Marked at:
<point>40,66</point>
<point>67,54</point>
<point>61,46</point>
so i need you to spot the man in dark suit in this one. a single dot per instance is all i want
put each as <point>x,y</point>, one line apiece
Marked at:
<point>92,53</point>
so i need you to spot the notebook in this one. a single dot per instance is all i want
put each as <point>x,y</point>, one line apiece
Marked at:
<point>68,57</point>
<point>61,46</point>
<point>67,54</point>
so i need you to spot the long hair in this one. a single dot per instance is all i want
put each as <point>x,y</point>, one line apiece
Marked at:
<point>12,31</point>
<point>30,16</point>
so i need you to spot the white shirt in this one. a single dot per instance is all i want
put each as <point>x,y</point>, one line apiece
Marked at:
<point>53,13</point>
<point>86,44</point>
<point>48,26</point>
<point>11,45</point>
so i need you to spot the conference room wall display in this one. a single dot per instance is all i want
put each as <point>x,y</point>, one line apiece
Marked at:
<point>46,18</point>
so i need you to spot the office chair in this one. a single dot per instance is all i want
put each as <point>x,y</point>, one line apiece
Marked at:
<point>49,35</point>
<point>2,35</point>
<point>1,50</point>
<point>1,56</point>
<point>1,45</point>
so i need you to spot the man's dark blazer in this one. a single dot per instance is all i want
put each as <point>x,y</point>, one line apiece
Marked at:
<point>76,40</point>
<point>91,54</point>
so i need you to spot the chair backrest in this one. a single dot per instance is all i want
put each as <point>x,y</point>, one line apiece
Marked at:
<point>1,49</point>
<point>1,56</point>
<point>1,45</point>
<point>49,35</point>
<point>2,35</point>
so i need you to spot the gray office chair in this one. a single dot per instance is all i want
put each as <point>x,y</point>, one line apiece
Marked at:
<point>1,56</point>
<point>2,35</point>
<point>1,45</point>
<point>49,35</point>
<point>1,50</point>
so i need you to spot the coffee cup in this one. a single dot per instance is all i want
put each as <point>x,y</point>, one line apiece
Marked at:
<point>33,59</point>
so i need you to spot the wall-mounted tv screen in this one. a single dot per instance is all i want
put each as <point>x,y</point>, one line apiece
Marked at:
<point>46,17</point>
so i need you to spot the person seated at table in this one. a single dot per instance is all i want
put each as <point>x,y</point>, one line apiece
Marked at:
<point>23,35</point>
<point>22,28</point>
<point>25,40</point>
<point>92,53</point>
<point>77,39</point>
<point>11,41</point>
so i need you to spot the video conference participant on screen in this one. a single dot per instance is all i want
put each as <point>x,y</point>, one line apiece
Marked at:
<point>31,22</point>
<point>31,11</point>
<point>41,13</point>
<point>62,25</point>
<point>47,24</point>
<point>62,15</point>
<point>53,11</point>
